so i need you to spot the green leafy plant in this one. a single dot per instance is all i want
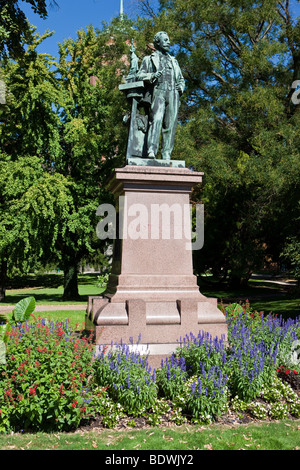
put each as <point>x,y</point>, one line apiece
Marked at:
<point>159,408</point>
<point>103,280</point>
<point>128,377</point>
<point>203,348</point>
<point>242,310</point>
<point>22,311</point>
<point>171,377</point>
<point>45,378</point>
<point>207,399</point>
<point>277,400</point>
<point>50,382</point>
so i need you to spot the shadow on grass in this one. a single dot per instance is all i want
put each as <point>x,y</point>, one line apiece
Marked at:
<point>36,280</point>
<point>263,296</point>
<point>88,279</point>
<point>288,307</point>
<point>228,294</point>
<point>43,298</point>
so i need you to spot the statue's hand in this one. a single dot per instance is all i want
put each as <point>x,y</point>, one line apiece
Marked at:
<point>178,88</point>
<point>158,74</point>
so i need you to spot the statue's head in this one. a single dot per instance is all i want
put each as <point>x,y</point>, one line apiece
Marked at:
<point>161,41</point>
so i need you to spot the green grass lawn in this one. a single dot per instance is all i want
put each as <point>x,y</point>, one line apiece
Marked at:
<point>48,289</point>
<point>287,307</point>
<point>263,296</point>
<point>76,317</point>
<point>263,436</point>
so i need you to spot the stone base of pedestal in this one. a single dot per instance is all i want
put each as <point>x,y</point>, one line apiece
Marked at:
<point>138,161</point>
<point>157,328</point>
<point>152,295</point>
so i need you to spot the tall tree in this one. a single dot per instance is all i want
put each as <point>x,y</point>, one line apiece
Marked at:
<point>14,26</point>
<point>35,201</point>
<point>91,132</point>
<point>34,210</point>
<point>29,122</point>
<point>69,116</point>
<point>238,124</point>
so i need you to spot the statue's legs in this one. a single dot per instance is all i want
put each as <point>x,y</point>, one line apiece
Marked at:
<point>163,118</point>
<point>155,124</point>
<point>169,124</point>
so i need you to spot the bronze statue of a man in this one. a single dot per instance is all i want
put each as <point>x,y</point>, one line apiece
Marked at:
<point>162,76</point>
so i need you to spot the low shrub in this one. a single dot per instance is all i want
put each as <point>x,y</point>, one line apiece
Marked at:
<point>255,350</point>
<point>277,400</point>
<point>195,378</point>
<point>46,369</point>
<point>208,395</point>
<point>128,378</point>
<point>202,349</point>
<point>171,377</point>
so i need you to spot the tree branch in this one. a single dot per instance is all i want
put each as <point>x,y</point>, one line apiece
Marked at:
<point>219,77</point>
<point>267,30</point>
<point>232,62</point>
<point>145,7</point>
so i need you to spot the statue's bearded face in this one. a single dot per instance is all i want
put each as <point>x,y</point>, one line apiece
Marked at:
<point>164,42</point>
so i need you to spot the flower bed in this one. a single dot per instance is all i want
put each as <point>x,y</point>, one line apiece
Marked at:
<point>52,381</point>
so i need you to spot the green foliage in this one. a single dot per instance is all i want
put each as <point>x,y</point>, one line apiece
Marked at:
<point>158,409</point>
<point>171,378</point>
<point>205,402</point>
<point>204,374</point>
<point>47,368</point>
<point>23,310</point>
<point>92,138</point>
<point>34,211</point>
<point>238,125</point>
<point>128,378</point>
<point>291,254</point>
<point>103,280</point>
<point>277,400</point>
<point>63,130</point>
<point>14,27</point>
<point>243,311</point>
<point>33,95</point>
<point>51,381</point>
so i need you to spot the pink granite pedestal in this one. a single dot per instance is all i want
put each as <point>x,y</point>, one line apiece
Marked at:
<point>152,292</point>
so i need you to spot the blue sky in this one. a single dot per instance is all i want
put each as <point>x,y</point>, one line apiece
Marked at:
<point>71,15</point>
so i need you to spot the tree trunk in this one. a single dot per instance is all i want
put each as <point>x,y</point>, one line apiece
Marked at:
<point>238,280</point>
<point>70,267</point>
<point>3,277</point>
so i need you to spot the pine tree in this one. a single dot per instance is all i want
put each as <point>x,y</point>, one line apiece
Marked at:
<point>238,124</point>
